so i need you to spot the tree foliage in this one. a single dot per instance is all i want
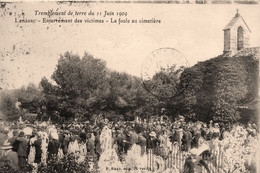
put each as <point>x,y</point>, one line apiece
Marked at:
<point>7,106</point>
<point>165,83</point>
<point>82,87</point>
<point>22,101</point>
<point>31,98</point>
<point>217,86</point>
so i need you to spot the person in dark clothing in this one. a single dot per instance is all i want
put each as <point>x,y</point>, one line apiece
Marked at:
<point>83,136</point>
<point>126,144</point>
<point>178,135</point>
<point>65,143</point>
<point>54,144</point>
<point>153,142</point>
<point>11,156</point>
<point>196,139</point>
<point>33,136</point>
<point>90,144</point>
<point>120,143</point>
<point>22,150</point>
<point>61,137</point>
<point>142,142</point>
<point>31,140</point>
<point>139,128</point>
<point>204,133</point>
<point>133,138</point>
<point>189,166</point>
<point>186,140</point>
<point>98,149</point>
<point>38,149</point>
<point>14,138</point>
<point>15,145</point>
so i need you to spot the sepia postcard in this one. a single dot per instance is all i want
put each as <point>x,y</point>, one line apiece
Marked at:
<point>132,85</point>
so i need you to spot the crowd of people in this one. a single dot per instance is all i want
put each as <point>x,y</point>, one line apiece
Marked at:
<point>26,144</point>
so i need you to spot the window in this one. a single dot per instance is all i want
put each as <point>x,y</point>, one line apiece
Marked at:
<point>240,38</point>
<point>227,39</point>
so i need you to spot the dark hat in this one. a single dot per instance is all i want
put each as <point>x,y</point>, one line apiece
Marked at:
<point>34,131</point>
<point>6,132</point>
<point>21,134</point>
<point>66,132</point>
<point>15,132</point>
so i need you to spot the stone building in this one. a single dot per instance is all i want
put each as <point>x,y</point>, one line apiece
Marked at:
<point>236,35</point>
<point>237,44</point>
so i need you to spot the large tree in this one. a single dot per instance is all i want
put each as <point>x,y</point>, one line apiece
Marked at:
<point>81,85</point>
<point>85,87</point>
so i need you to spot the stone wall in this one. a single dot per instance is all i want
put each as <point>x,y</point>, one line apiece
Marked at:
<point>231,40</point>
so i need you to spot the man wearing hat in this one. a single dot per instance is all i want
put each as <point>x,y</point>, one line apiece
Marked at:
<point>97,144</point>
<point>153,142</point>
<point>22,150</point>
<point>15,136</point>
<point>11,155</point>
<point>197,161</point>
<point>186,139</point>
<point>54,144</point>
<point>120,138</point>
<point>216,130</point>
<point>90,143</point>
<point>66,142</point>
<point>133,137</point>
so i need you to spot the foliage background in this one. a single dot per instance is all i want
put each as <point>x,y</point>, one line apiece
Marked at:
<point>83,86</point>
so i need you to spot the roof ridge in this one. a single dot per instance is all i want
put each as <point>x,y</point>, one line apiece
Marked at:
<point>233,20</point>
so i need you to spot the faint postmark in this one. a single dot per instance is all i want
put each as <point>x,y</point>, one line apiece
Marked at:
<point>161,72</point>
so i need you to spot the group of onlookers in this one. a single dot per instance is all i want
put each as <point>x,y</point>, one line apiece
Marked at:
<point>157,136</point>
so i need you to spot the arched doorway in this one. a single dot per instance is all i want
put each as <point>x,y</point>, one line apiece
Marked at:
<point>240,38</point>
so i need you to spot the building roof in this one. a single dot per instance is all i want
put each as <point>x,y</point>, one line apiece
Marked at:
<point>234,20</point>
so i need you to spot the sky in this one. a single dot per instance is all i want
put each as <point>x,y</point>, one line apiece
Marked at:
<point>29,51</point>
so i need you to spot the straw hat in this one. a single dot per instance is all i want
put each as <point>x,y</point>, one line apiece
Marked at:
<point>216,124</point>
<point>153,134</point>
<point>55,136</point>
<point>198,151</point>
<point>27,130</point>
<point>6,146</point>
<point>194,152</point>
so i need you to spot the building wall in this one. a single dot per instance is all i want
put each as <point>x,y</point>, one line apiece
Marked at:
<point>226,40</point>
